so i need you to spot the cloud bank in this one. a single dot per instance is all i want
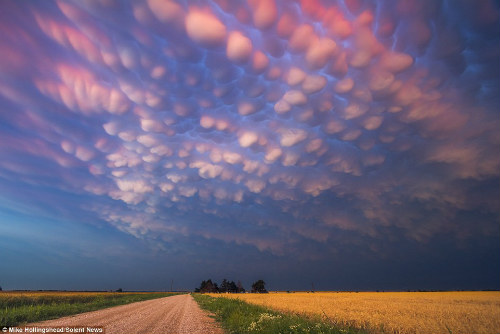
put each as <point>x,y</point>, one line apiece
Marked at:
<point>297,128</point>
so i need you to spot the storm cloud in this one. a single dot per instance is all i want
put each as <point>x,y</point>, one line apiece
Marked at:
<point>297,129</point>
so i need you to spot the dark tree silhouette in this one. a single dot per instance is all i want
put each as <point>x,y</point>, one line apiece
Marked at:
<point>232,287</point>
<point>208,287</point>
<point>259,287</point>
<point>224,286</point>
<point>228,286</point>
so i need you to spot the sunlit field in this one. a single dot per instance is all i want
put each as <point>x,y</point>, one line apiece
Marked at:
<point>393,312</point>
<point>19,307</point>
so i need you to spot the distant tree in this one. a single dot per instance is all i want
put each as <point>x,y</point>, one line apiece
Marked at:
<point>224,286</point>
<point>239,288</point>
<point>0,288</point>
<point>119,290</point>
<point>259,287</point>
<point>232,287</point>
<point>208,287</point>
<point>202,285</point>
<point>228,286</point>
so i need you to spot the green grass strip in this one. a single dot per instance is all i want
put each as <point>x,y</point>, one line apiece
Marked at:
<point>16,311</point>
<point>237,316</point>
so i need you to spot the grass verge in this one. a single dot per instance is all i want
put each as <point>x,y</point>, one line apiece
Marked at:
<point>236,316</point>
<point>21,308</point>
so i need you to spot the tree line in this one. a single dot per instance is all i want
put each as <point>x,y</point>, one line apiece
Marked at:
<point>209,286</point>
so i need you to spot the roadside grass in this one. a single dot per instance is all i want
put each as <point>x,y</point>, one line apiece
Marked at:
<point>19,308</point>
<point>236,316</point>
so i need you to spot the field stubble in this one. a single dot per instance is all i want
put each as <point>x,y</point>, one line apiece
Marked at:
<point>393,312</point>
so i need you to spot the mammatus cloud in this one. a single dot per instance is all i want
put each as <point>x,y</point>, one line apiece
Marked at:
<point>273,122</point>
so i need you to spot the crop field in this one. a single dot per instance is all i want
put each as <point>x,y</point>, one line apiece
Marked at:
<point>20,307</point>
<point>239,317</point>
<point>392,312</point>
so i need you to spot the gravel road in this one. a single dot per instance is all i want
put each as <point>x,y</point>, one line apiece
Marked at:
<point>171,315</point>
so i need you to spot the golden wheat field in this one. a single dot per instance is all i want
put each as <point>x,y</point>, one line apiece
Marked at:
<point>393,312</point>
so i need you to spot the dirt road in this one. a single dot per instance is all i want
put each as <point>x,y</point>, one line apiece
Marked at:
<point>171,315</point>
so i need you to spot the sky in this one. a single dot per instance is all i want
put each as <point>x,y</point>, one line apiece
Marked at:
<point>334,145</point>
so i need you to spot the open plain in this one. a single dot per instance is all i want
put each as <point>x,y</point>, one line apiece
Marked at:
<point>178,314</point>
<point>393,312</point>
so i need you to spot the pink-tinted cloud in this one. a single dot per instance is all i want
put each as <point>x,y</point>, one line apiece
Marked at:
<point>173,112</point>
